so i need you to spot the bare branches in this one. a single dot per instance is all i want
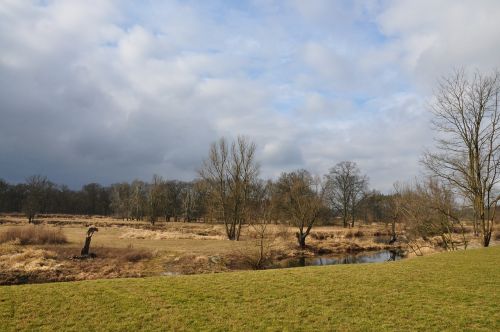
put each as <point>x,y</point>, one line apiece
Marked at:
<point>298,198</point>
<point>429,209</point>
<point>467,117</point>
<point>344,189</point>
<point>230,173</point>
<point>37,187</point>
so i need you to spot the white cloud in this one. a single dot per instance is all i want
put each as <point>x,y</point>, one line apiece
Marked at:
<point>435,36</point>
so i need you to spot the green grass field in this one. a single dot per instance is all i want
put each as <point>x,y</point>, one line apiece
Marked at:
<point>450,291</point>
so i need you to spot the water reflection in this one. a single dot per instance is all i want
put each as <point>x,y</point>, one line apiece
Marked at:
<point>374,257</point>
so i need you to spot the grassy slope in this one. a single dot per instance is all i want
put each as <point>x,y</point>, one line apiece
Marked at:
<point>450,291</point>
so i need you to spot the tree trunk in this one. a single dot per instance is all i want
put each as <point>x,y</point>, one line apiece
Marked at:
<point>231,232</point>
<point>86,246</point>
<point>393,232</point>
<point>486,238</point>
<point>301,238</point>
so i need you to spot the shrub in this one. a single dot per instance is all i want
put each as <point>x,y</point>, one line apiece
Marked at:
<point>381,233</point>
<point>135,255</point>
<point>32,234</point>
<point>322,235</point>
<point>357,233</point>
<point>458,230</point>
<point>382,239</point>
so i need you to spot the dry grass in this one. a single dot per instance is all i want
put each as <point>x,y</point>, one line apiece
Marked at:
<point>197,264</point>
<point>133,233</point>
<point>25,235</point>
<point>136,255</point>
<point>174,247</point>
<point>20,265</point>
<point>29,259</point>
<point>352,234</point>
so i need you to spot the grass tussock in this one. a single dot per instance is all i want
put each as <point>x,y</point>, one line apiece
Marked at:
<point>133,233</point>
<point>135,255</point>
<point>26,235</point>
<point>29,260</point>
<point>355,234</point>
<point>26,264</point>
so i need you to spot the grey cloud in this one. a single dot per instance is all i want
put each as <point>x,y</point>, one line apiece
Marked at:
<point>109,92</point>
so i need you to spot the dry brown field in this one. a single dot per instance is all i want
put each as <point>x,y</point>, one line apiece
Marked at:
<point>135,248</point>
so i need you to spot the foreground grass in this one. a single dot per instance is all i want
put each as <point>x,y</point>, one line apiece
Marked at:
<point>449,291</point>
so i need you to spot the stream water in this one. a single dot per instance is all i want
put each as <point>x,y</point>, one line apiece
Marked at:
<point>372,257</point>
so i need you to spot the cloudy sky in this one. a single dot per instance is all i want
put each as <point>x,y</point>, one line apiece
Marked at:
<point>107,91</point>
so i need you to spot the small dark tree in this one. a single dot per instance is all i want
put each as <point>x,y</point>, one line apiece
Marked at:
<point>36,188</point>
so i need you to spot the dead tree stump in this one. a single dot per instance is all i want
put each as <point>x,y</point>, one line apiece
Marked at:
<point>86,246</point>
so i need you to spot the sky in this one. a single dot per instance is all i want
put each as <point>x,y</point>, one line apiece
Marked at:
<point>108,91</point>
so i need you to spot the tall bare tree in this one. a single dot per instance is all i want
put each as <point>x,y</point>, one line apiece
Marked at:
<point>230,173</point>
<point>298,198</point>
<point>467,117</point>
<point>345,186</point>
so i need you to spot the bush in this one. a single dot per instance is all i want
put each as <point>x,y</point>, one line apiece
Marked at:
<point>357,233</point>
<point>136,255</point>
<point>458,230</point>
<point>322,235</point>
<point>381,233</point>
<point>25,235</point>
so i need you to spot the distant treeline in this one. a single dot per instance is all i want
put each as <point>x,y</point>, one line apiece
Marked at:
<point>134,201</point>
<point>158,199</point>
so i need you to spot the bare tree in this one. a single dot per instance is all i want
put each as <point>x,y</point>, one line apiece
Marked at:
<point>174,190</point>
<point>36,191</point>
<point>259,220</point>
<point>428,208</point>
<point>121,200</point>
<point>156,198</point>
<point>230,173</point>
<point>193,200</point>
<point>298,198</point>
<point>138,199</point>
<point>345,187</point>
<point>468,150</point>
